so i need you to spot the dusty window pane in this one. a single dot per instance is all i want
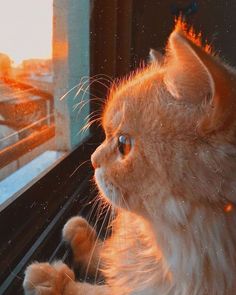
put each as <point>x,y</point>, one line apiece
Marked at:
<point>44,56</point>
<point>27,128</point>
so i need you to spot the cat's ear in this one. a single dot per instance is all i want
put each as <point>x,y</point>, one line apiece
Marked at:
<point>155,57</point>
<point>194,75</point>
<point>186,78</point>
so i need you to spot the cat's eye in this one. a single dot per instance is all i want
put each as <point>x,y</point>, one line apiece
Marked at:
<point>124,144</point>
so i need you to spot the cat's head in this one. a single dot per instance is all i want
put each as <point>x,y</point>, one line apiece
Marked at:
<point>170,131</point>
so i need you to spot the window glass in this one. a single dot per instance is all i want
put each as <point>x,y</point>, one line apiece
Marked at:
<point>39,123</point>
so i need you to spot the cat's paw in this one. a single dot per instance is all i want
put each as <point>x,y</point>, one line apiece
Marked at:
<point>81,237</point>
<point>47,279</point>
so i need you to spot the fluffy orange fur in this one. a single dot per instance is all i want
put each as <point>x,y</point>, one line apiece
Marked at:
<point>174,187</point>
<point>182,26</point>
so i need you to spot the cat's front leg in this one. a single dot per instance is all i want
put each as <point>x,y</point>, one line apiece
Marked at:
<point>57,279</point>
<point>85,244</point>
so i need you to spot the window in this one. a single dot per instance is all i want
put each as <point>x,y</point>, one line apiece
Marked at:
<point>44,64</point>
<point>26,94</point>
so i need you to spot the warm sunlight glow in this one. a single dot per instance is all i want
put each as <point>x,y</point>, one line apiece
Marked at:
<point>228,208</point>
<point>26,29</point>
<point>181,25</point>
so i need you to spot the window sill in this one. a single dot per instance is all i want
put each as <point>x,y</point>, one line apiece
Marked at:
<point>16,183</point>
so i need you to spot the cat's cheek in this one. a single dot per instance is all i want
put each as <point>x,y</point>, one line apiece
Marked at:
<point>99,178</point>
<point>108,190</point>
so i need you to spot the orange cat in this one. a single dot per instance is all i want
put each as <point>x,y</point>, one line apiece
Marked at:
<point>169,165</point>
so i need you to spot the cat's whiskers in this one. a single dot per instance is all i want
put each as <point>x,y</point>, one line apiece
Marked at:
<point>83,102</point>
<point>92,115</point>
<point>103,241</point>
<point>70,90</point>
<point>82,83</point>
<point>124,201</point>
<point>100,205</point>
<point>95,245</point>
<point>101,208</point>
<point>90,119</point>
<point>89,124</point>
<point>77,168</point>
<point>97,200</point>
<point>84,89</point>
<point>90,81</point>
<point>94,207</point>
<point>93,81</point>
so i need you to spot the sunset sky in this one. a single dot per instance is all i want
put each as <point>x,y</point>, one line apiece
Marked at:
<point>26,29</point>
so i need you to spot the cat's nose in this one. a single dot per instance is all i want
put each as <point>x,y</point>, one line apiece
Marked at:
<point>94,162</point>
<point>95,165</point>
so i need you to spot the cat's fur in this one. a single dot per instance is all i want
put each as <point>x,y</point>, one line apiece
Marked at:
<point>175,190</point>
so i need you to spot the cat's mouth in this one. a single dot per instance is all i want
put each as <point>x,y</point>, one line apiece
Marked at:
<point>109,191</point>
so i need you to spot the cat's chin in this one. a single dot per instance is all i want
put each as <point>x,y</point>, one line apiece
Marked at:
<point>108,190</point>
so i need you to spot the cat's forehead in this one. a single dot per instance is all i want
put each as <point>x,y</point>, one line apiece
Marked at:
<point>112,120</point>
<point>129,100</point>
<point>114,115</point>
